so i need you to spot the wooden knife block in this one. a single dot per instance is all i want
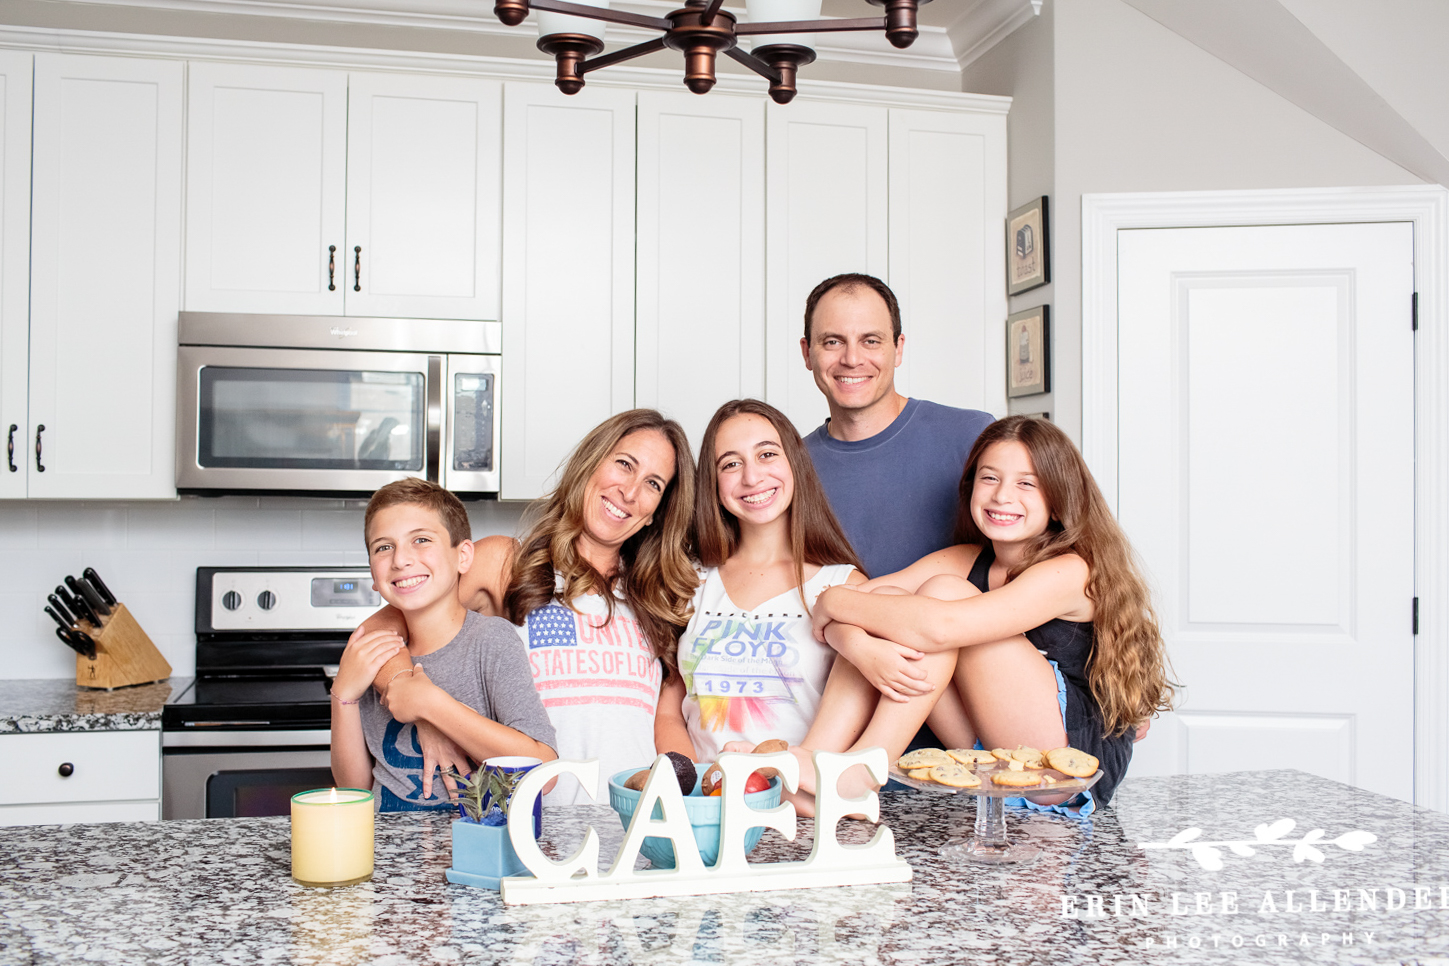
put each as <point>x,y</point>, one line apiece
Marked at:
<point>124,654</point>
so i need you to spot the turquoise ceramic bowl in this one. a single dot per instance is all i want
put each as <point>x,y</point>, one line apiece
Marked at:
<point>703,815</point>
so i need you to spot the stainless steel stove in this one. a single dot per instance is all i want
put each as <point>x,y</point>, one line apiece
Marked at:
<point>253,727</point>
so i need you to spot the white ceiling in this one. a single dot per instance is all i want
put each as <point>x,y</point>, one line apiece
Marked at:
<point>1377,71</point>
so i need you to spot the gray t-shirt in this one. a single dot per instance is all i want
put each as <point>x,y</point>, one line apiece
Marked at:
<point>484,667</point>
<point>895,493</point>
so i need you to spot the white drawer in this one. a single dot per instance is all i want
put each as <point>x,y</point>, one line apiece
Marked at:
<point>105,766</point>
<point>62,814</point>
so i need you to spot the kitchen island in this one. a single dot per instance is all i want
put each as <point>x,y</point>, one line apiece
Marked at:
<point>219,891</point>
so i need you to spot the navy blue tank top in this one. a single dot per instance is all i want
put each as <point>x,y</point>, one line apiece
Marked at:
<point>1069,645</point>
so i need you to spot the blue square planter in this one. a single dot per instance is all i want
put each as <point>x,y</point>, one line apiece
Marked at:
<point>482,855</point>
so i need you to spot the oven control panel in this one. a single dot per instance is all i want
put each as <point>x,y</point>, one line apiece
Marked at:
<point>291,599</point>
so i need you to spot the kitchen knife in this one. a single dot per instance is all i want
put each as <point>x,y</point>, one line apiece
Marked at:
<point>59,611</point>
<point>77,642</point>
<point>80,608</point>
<point>85,590</point>
<point>66,599</point>
<point>94,579</point>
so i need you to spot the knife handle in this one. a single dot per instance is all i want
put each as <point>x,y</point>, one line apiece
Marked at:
<point>60,622</point>
<point>82,607</point>
<point>94,579</point>
<point>67,600</point>
<point>93,597</point>
<point>60,611</point>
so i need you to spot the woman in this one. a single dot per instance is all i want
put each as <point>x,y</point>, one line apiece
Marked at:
<point>769,545</point>
<point>1045,625</point>
<point>599,588</point>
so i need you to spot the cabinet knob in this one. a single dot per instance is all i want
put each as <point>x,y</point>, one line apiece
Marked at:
<point>66,769</point>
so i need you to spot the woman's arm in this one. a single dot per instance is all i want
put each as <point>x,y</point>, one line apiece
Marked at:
<point>1053,588</point>
<point>414,697</point>
<point>670,731</point>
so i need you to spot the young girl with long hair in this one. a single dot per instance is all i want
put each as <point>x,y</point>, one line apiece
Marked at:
<point>768,546</point>
<point>1035,629</point>
<point>599,589</point>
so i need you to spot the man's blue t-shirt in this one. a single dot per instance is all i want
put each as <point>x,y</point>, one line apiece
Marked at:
<point>896,492</point>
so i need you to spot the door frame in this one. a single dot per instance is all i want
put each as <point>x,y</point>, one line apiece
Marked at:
<point>1427,208</point>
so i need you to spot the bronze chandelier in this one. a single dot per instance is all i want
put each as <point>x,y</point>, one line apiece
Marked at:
<point>701,31</point>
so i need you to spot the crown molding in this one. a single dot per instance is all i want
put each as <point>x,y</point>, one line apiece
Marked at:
<point>986,24</point>
<point>498,68</point>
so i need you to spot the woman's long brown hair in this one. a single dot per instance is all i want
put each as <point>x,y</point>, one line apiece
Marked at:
<point>815,535</point>
<point>655,574</point>
<point>1128,666</point>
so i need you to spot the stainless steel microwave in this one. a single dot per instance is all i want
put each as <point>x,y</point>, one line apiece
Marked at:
<point>300,403</point>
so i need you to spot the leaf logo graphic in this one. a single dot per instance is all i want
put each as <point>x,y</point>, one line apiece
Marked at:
<point>1209,855</point>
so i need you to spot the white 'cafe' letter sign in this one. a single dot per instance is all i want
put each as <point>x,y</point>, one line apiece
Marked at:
<point>577,878</point>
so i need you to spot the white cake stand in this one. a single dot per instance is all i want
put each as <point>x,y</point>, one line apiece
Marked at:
<point>989,844</point>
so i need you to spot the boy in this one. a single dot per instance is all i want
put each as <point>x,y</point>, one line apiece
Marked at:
<point>417,537</point>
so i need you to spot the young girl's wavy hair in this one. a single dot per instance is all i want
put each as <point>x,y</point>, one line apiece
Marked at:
<point>1127,670</point>
<point>656,576</point>
<point>816,536</point>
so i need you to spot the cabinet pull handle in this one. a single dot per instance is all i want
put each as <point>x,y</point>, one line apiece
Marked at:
<point>38,430</point>
<point>10,448</point>
<point>66,769</point>
<point>331,268</point>
<point>357,269</point>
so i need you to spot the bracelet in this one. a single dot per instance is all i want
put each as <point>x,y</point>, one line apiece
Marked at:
<point>341,701</point>
<point>406,670</point>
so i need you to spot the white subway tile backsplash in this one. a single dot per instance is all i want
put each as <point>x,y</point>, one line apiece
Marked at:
<point>148,554</point>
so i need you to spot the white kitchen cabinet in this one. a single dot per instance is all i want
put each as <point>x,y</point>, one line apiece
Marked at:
<point>701,251</point>
<point>104,276</point>
<point>947,261</point>
<point>568,302</point>
<point>15,77</point>
<point>266,179</point>
<point>317,192</point>
<point>826,212</point>
<point>423,192</point>
<point>94,776</point>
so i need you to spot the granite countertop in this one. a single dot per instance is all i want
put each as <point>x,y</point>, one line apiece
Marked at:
<point>56,704</point>
<point>220,891</point>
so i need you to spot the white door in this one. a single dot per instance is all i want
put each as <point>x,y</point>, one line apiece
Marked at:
<point>568,298</point>
<point>701,251</point>
<point>826,213</point>
<point>265,186</point>
<point>105,275</point>
<point>15,74</point>
<point>423,228</point>
<point>947,205</point>
<point>1266,479</point>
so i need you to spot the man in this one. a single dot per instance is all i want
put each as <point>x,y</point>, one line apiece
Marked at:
<point>891,465</point>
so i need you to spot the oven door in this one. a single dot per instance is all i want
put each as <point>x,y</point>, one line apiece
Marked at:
<point>241,779</point>
<point>306,419</point>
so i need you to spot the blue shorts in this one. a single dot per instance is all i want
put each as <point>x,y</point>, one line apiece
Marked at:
<point>1079,806</point>
<point>387,801</point>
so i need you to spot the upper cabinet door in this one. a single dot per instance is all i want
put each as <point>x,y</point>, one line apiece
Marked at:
<point>701,251</point>
<point>15,74</point>
<point>105,276</point>
<point>568,303</point>
<point>423,160</point>
<point>265,189</point>
<point>947,260</point>
<point>826,203</point>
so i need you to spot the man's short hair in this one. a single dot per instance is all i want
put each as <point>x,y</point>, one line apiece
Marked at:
<point>416,492</point>
<point>854,280</point>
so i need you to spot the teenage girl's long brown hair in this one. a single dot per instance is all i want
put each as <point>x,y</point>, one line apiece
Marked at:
<point>815,534</point>
<point>655,574</point>
<point>1128,667</point>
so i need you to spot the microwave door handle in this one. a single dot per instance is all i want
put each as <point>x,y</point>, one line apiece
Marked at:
<point>435,416</point>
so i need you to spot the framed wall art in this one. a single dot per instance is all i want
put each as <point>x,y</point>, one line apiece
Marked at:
<point>1028,352</point>
<point>1028,253</point>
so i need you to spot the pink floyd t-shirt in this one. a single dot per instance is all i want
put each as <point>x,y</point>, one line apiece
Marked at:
<point>753,674</point>
<point>599,683</point>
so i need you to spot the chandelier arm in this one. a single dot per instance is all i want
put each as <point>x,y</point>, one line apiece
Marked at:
<point>600,13</point>
<point>707,17</point>
<point>621,55</point>
<point>799,26</point>
<point>754,63</point>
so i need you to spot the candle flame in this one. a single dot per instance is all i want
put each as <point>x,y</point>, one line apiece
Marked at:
<point>332,799</point>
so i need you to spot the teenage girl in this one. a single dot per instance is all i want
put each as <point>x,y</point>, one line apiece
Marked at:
<point>1035,629</point>
<point>768,546</point>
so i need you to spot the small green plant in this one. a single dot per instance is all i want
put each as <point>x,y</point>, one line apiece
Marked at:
<point>485,794</point>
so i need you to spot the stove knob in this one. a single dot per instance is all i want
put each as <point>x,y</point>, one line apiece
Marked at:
<point>266,600</point>
<point>231,600</point>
